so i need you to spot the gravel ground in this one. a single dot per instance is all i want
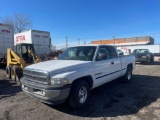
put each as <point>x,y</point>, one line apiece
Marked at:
<point>138,100</point>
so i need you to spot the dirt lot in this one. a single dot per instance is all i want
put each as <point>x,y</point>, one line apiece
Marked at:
<point>138,100</point>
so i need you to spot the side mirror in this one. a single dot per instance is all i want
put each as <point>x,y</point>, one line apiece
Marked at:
<point>101,56</point>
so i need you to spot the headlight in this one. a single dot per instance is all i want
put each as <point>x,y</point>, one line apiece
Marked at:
<point>59,82</point>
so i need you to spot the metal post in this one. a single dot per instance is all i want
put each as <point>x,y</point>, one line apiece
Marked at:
<point>66,41</point>
<point>78,41</point>
<point>114,40</point>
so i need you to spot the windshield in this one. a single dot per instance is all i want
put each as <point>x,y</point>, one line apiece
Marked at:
<point>139,51</point>
<point>119,51</point>
<point>84,53</point>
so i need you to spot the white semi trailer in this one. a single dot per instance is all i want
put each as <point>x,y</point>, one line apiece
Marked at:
<point>40,39</point>
<point>6,41</point>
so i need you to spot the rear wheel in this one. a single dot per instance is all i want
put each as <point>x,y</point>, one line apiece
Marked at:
<point>128,76</point>
<point>79,94</point>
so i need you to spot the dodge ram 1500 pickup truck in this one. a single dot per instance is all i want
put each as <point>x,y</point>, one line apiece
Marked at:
<point>78,70</point>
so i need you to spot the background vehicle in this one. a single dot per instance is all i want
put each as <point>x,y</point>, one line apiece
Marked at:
<point>120,52</point>
<point>40,39</point>
<point>23,56</point>
<point>152,48</point>
<point>143,55</point>
<point>78,70</point>
<point>6,41</point>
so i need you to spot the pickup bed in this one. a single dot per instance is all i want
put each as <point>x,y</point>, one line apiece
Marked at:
<point>78,70</point>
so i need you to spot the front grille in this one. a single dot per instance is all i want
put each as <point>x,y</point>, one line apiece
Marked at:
<point>36,76</point>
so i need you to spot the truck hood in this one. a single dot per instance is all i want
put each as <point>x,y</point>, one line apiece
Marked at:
<point>59,65</point>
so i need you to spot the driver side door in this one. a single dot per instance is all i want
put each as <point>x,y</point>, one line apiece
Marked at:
<point>103,67</point>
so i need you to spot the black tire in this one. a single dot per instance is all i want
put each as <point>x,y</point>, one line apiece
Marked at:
<point>149,61</point>
<point>128,75</point>
<point>8,72</point>
<point>79,87</point>
<point>13,73</point>
<point>19,75</point>
<point>16,74</point>
<point>152,60</point>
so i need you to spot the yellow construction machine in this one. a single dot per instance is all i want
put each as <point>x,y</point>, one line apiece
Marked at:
<point>23,56</point>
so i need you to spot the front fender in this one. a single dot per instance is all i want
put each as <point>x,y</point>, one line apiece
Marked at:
<point>75,74</point>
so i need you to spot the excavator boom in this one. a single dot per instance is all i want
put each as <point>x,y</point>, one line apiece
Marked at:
<point>14,59</point>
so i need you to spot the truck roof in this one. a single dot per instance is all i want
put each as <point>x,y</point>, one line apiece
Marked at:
<point>93,45</point>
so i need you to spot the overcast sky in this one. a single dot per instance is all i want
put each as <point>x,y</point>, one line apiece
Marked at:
<point>89,20</point>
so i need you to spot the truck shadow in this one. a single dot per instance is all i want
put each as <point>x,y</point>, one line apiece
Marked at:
<point>8,88</point>
<point>117,98</point>
<point>154,63</point>
<point>3,67</point>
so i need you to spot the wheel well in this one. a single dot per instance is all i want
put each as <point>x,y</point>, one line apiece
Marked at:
<point>88,79</point>
<point>130,65</point>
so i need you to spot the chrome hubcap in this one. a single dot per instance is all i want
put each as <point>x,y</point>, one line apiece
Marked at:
<point>82,95</point>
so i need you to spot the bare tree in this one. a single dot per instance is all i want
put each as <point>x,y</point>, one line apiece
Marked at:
<point>20,22</point>
<point>8,20</point>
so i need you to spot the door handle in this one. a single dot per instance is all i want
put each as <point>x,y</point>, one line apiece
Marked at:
<point>112,63</point>
<point>98,73</point>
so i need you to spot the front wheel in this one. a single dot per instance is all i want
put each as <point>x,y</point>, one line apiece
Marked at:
<point>152,60</point>
<point>13,73</point>
<point>79,94</point>
<point>8,72</point>
<point>16,74</point>
<point>128,75</point>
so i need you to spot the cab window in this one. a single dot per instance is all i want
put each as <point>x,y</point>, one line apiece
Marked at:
<point>103,53</point>
<point>113,52</point>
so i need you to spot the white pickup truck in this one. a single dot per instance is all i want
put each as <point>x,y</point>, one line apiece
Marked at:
<point>78,70</point>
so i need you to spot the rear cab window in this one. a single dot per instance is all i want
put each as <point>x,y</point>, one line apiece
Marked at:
<point>109,51</point>
<point>112,52</point>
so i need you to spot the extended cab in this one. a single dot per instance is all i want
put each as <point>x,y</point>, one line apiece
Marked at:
<point>78,70</point>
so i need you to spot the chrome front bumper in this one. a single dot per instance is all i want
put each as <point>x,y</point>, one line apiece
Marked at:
<point>46,93</point>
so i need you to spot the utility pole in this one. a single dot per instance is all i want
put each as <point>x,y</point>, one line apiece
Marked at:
<point>61,47</point>
<point>66,41</point>
<point>114,40</point>
<point>78,41</point>
<point>84,42</point>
